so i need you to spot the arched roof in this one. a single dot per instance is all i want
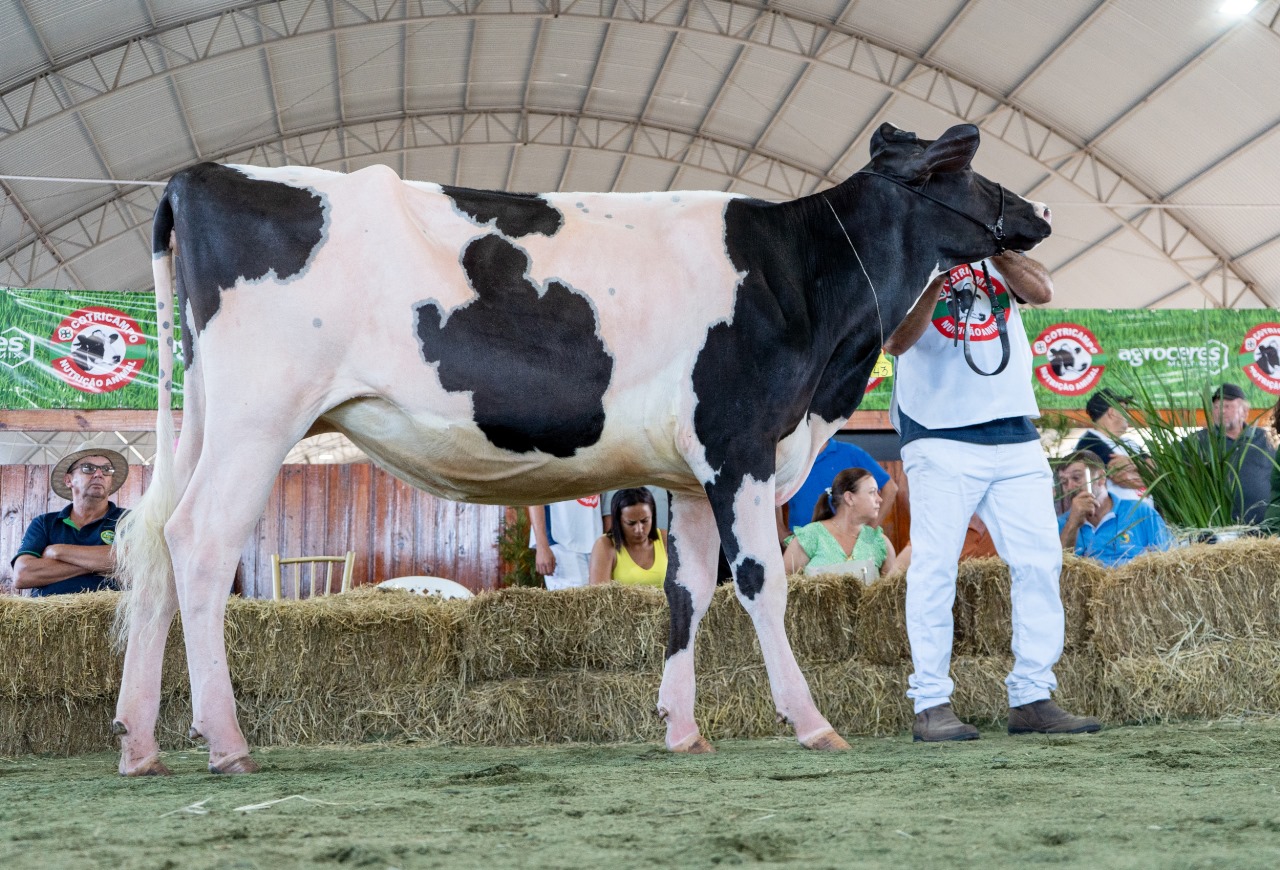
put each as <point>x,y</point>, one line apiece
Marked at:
<point>1152,129</point>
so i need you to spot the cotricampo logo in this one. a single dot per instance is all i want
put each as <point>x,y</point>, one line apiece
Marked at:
<point>103,349</point>
<point>1066,359</point>
<point>1263,343</point>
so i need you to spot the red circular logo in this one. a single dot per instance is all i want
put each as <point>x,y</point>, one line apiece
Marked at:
<point>590,501</point>
<point>104,349</point>
<point>1263,341</point>
<point>1064,359</point>
<point>974,304</point>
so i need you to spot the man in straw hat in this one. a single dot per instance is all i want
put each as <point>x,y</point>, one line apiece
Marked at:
<point>71,550</point>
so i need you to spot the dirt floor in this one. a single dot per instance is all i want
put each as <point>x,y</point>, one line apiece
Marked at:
<point>1187,795</point>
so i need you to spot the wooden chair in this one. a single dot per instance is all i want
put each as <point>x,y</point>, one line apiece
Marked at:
<point>348,566</point>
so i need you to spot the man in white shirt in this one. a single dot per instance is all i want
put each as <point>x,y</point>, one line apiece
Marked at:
<point>968,446</point>
<point>562,535</point>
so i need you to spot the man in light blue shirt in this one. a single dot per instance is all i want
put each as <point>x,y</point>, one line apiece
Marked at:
<point>1096,526</point>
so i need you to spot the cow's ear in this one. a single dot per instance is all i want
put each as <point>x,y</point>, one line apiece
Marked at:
<point>887,136</point>
<point>951,152</point>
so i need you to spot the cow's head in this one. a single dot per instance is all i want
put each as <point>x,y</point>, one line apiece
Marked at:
<point>941,171</point>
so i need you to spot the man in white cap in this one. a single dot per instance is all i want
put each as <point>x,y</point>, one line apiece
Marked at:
<point>72,550</point>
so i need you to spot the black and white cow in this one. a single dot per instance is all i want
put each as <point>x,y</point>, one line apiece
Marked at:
<point>520,349</point>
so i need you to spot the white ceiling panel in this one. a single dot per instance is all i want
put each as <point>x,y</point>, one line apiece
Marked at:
<point>1029,32</point>
<point>762,98</point>
<point>912,24</point>
<point>566,61</point>
<point>501,49</point>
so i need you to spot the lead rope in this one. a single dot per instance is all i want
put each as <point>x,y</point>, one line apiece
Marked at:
<point>870,284</point>
<point>1002,328</point>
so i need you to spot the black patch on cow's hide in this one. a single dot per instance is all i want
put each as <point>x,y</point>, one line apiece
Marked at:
<point>755,374</point>
<point>750,578</point>
<point>679,602</point>
<point>535,365</point>
<point>513,214</point>
<point>231,227</point>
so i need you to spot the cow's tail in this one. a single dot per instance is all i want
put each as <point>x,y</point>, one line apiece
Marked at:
<point>144,567</point>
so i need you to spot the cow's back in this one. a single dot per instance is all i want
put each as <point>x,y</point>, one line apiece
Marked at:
<point>480,343</point>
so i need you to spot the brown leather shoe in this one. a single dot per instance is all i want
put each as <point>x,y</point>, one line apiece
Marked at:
<point>938,724</point>
<point>1046,717</point>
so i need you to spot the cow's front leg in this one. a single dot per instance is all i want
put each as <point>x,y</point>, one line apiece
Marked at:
<point>749,531</point>
<point>693,549</point>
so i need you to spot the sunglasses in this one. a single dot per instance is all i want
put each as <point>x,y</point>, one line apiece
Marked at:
<point>88,469</point>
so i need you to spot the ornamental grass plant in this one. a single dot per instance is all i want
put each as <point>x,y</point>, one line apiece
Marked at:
<point>1193,482</point>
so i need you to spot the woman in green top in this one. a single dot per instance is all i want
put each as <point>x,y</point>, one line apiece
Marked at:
<point>841,539</point>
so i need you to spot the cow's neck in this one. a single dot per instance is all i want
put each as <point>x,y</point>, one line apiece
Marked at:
<point>870,265</point>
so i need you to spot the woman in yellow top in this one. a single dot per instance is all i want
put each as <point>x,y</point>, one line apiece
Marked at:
<point>634,552</point>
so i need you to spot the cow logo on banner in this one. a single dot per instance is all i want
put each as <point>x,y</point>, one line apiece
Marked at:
<point>1262,345</point>
<point>973,298</point>
<point>1067,359</point>
<point>102,349</point>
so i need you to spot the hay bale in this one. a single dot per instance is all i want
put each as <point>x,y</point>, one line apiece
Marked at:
<point>1206,680</point>
<point>579,706</point>
<point>986,628</point>
<point>1160,602</point>
<point>354,714</point>
<point>529,632</point>
<point>981,696</point>
<point>821,615</point>
<point>524,632</point>
<point>858,698</point>
<point>982,612</point>
<point>374,639</point>
<point>74,725</point>
<point>61,646</point>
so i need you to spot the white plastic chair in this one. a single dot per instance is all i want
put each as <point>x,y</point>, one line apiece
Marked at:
<point>437,586</point>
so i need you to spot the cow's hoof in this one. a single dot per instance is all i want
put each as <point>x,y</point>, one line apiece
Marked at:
<point>118,728</point>
<point>234,766</point>
<point>694,744</point>
<point>827,741</point>
<point>151,766</point>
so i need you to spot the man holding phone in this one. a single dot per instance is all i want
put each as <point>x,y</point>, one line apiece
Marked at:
<point>1113,531</point>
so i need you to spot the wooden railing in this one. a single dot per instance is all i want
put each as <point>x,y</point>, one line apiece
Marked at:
<point>395,529</point>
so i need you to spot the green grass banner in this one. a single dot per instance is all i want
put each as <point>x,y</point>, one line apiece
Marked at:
<point>97,350</point>
<point>78,350</point>
<point>1174,352</point>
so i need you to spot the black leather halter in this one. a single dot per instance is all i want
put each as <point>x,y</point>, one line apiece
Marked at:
<point>953,305</point>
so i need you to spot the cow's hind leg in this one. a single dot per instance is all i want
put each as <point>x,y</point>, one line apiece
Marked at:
<point>692,553</point>
<point>139,703</point>
<point>749,531</point>
<point>219,508</point>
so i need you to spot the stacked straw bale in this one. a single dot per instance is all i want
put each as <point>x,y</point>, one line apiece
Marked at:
<point>982,612</point>
<point>1163,601</point>
<point>1194,632</point>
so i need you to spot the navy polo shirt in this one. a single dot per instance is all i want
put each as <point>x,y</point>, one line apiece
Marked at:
<point>57,528</point>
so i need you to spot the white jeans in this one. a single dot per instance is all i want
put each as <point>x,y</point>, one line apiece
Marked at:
<point>572,568</point>
<point>1011,489</point>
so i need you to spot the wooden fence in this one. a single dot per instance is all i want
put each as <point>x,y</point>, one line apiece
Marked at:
<point>395,529</point>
